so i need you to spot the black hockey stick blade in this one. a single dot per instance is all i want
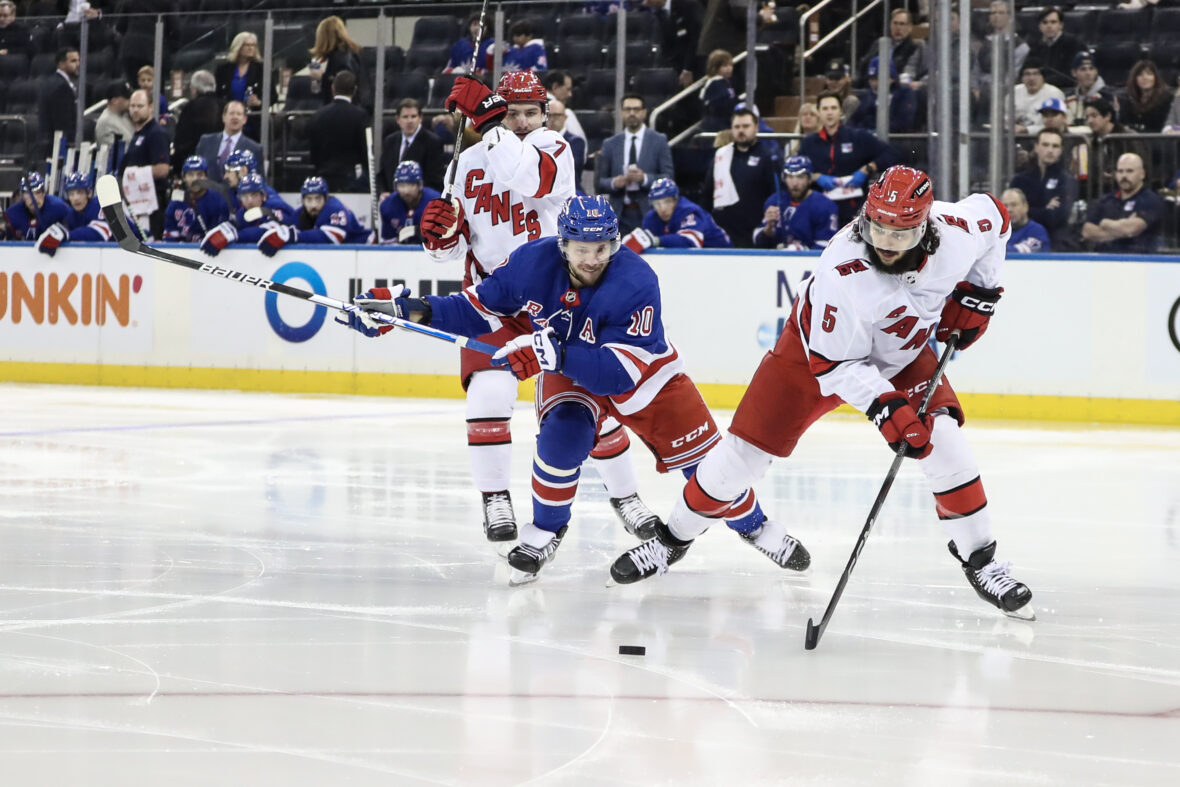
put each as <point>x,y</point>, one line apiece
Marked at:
<point>812,638</point>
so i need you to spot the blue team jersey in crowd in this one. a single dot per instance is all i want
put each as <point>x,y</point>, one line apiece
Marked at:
<point>1032,238</point>
<point>187,223</point>
<point>530,57</point>
<point>277,205</point>
<point>395,215</point>
<point>252,231</point>
<point>811,222</point>
<point>689,227</point>
<point>88,225</point>
<point>333,224</point>
<point>24,224</point>
<point>613,332</point>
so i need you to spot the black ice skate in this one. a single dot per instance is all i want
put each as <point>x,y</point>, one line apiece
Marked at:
<point>499,520</point>
<point>771,539</point>
<point>639,520</point>
<point>649,558</point>
<point>991,581</point>
<point>536,548</point>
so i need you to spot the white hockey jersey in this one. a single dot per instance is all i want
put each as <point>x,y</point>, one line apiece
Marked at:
<point>511,191</point>
<point>862,326</point>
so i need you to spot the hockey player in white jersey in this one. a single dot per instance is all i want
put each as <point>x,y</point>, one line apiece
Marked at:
<point>509,189</point>
<point>907,268</point>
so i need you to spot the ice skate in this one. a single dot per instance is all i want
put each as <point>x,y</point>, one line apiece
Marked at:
<point>536,548</point>
<point>649,558</point>
<point>991,581</point>
<point>639,520</point>
<point>499,520</point>
<point>771,539</point>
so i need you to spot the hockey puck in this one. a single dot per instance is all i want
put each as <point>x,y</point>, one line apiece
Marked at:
<point>632,650</point>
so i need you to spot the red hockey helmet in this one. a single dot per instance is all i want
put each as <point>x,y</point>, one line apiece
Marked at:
<point>896,209</point>
<point>518,87</point>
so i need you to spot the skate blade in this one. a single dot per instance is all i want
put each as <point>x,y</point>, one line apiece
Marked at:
<point>516,578</point>
<point>1025,613</point>
<point>503,547</point>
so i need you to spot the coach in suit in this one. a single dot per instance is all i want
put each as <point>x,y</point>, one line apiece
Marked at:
<point>217,146</point>
<point>58,102</point>
<point>630,162</point>
<point>411,142</point>
<point>336,135</point>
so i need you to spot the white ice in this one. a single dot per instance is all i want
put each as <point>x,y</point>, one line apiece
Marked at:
<point>204,588</point>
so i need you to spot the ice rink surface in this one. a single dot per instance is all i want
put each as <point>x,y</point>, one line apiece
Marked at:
<point>227,588</point>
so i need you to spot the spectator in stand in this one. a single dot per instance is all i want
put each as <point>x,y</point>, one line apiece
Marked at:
<point>1032,91</point>
<point>718,96</point>
<point>1126,221</point>
<point>412,142</point>
<point>1049,188</point>
<point>1145,107</point>
<point>1028,237</point>
<point>336,135</point>
<point>796,217</point>
<point>217,147</point>
<point>837,80</point>
<point>1055,49</point>
<point>1100,117</point>
<point>77,10</point>
<point>559,122</point>
<point>199,116</point>
<point>808,123</point>
<point>844,158</point>
<point>560,85</point>
<point>527,53</point>
<point>464,49</point>
<point>114,124</point>
<point>334,51</point>
<point>743,175</point>
<point>149,147</point>
<point>630,162</point>
<point>903,104</point>
<point>1088,84</point>
<point>239,78</point>
<point>400,214</point>
<point>321,220</point>
<point>146,80</point>
<point>14,36</point>
<point>36,211</point>
<point>199,208</point>
<point>58,99</point>
<point>675,223</point>
<point>1000,24</point>
<point>903,49</point>
<point>680,26</point>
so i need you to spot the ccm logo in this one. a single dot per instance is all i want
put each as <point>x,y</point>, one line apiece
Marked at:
<point>226,273</point>
<point>917,389</point>
<point>688,438</point>
<point>976,305</point>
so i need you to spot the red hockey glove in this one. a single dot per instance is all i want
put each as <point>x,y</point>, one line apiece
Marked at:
<point>638,240</point>
<point>479,104</point>
<point>441,224</point>
<point>276,238</point>
<point>218,238</point>
<point>967,311</point>
<point>53,236</point>
<point>531,354</point>
<point>892,414</point>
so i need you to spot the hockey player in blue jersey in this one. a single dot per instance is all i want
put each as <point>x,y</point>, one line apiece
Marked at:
<point>35,211</point>
<point>187,220</point>
<point>241,163</point>
<point>797,217</point>
<point>1028,236</point>
<point>599,345</point>
<point>322,219</point>
<point>675,222</point>
<point>402,210</point>
<point>83,224</point>
<point>252,221</point>
<point>527,53</point>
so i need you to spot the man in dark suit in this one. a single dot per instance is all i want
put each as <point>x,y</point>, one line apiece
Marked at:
<point>216,147</point>
<point>411,142</point>
<point>336,135</point>
<point>630,162</point>
<point>200,116</point>
<point>59,98</point>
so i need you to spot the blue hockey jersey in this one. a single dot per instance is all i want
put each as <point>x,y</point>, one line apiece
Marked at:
<point>24,224</point>
<point>252,231</point>
<point>88,225</point>
<point>809,223</point>
<point>689,227</point>
<point>187,223</point>
<point>613,332</point>
<point>395,216</point>
<point>277,205</point>
<point>333,224</point>
<point>1032,238</point>
<point>530,57</point>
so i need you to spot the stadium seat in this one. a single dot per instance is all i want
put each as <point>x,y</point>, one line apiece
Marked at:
<point>576,56</point>
<point>640,54</point>
<point>440,89</point>
<point>599,91</point>
<point>598,126</point>
<point>43,64</point>
<point>1081,24</point>
<point>13,67</point>
<point>1166,23</point>
<point>1114,60</point>
<point>22,96</point>
<point>1124,25</point>
<point>202,35</point>
<point>580,27</point>
<point>395,59</point>
<point>192,58</point>
<point>435,30</point>
<point>428,58</point>
<point>300,95</point>
<point>785,32</point>
<point>656,85</point>
<point>406,85</point>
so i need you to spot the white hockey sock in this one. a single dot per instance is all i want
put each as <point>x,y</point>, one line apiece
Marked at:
<point>612,460</point>
<point>491,398</point>
<point>958,491</point>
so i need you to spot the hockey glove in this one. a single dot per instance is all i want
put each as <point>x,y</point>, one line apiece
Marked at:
<point>276,238</point>
<point>384,300</point>
<point>967,311</point>
<point>892,414</point>
<point>442,222</point>
<point>480,105</point>
<point>54,236</point>
<point>638,240</point>
<point>218,238</point>
<point>826,182</point>
<point>531,354</point>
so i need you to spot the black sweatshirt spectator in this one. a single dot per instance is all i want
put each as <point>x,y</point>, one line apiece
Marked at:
<point>1049,187</point>
<point>14,36</point>
<point>1055,49</point>
<point>718,96</point>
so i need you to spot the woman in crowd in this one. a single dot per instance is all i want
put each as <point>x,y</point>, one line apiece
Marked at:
<point>808,123</point>
<point>239,78</point>
<point>1145,107</point>
<point>335,51</point>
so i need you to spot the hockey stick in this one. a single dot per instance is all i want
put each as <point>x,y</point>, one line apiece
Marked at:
<point>374,205</point>
<point>110,198</point>
<point>461,126</point>
<point>814,632</point>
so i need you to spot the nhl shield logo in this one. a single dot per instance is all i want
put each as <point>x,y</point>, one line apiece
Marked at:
<point>570,299</point>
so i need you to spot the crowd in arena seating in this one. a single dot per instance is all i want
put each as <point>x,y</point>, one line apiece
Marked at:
<point>1092,169</point>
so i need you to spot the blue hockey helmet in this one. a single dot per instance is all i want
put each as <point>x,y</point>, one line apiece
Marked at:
<point>797,165</point>
<point>314,185</point>
<point>662,189</point>
<point>408,172</point>
<point>242,158</point>
<point>34,181</point>
<point>589,219</point>
<point>196,164</point>
<point>251,182</point>
<point>77,181</point>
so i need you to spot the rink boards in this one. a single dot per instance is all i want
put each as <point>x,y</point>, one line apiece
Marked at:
<point>1083,339</point>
